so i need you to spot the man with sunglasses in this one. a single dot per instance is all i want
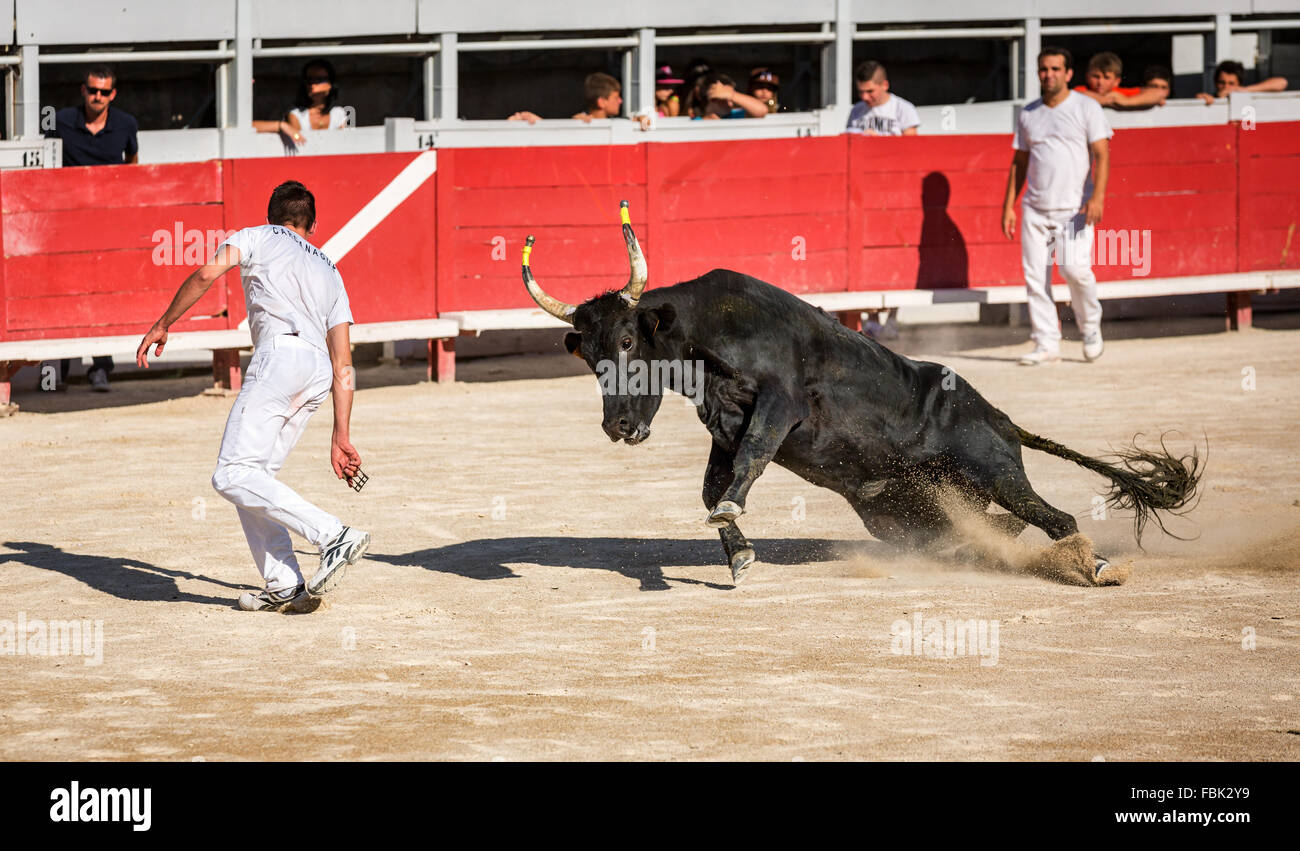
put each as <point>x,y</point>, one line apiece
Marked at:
<point>94,134</point>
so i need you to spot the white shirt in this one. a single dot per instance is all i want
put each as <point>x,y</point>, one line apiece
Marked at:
<point>289,286</point>
<point>891,118</point>
<point>1057,139</point>
<point>338,118</point>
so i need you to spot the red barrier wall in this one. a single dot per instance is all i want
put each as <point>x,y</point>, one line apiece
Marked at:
<point>1269,197</point>
<point>490,199</point>
<point>79,247</point>
<point>389,274</point>
<point>810,215</point>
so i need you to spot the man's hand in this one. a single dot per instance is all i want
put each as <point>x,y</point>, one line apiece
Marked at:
<point>1009,222</point>
<point>525,115</point>
<point>156,334</point>
<point>1209,99</point>
<point>1092,209</point>
<point>344,457</point>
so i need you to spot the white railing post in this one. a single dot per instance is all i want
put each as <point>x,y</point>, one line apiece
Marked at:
<point>429,67</point>
<point>841,74</point>
<point>645,71</point>
<point>28,106</point>
<point>446,106</point>
<point>241,86</point>
<point>1033,43</point>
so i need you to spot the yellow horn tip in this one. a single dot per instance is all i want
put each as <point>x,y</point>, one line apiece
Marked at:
<point>622,211</point>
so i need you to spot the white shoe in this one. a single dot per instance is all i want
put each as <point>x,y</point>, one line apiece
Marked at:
<point>294,599</point>
<point>1093,346</point>
<point>347,548</point>
<point>1038,356</point>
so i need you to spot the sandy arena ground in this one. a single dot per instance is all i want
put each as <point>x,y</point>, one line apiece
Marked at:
<point>536,592</point>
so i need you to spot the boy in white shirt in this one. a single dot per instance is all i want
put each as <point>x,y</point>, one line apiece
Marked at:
<point>1063,156</point>
<point>880,113</point>
<point>298,314</point>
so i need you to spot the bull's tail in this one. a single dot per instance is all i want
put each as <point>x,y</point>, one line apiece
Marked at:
<point>1142,481</point>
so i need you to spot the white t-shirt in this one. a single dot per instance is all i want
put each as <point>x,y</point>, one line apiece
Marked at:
<point>1057,139</point>
<point>338,118</point>
<point>289,286</point>
<point>891,118</point>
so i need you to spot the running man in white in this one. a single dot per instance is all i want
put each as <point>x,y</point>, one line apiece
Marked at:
<point>1063,154</point>
<point>299,317</point>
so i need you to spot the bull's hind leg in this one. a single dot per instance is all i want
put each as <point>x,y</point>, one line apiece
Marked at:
<point>1005,482</point>
<point>717,478</point>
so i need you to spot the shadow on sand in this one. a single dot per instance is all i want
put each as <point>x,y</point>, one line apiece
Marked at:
<point>642,559</point>
<point>124,578</point>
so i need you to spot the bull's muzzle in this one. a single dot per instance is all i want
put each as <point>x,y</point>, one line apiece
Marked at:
<point>622,429</point>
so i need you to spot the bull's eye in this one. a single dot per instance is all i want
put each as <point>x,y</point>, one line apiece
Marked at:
<point>626,344</point>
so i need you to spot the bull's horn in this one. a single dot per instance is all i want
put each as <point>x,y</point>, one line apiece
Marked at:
<point>637,280</point>
<point>555,307</point>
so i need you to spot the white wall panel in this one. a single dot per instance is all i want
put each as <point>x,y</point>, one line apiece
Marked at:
<point>123,21</point>
<point>333,18</point>
<point>503,16</point>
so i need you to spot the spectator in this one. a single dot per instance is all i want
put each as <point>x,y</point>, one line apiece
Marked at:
<point>1103,78</point>
<point>96,134</point>
<point>723,101</point>
<point>695,99</point>
<point>1228,75</point>
<point>314,107</point>
<point>667,103</point>
<point>1158,78</point>
<point>765,86</point>
<point>880,113</point>
<point>1056,137</point>
<point>604,97</point>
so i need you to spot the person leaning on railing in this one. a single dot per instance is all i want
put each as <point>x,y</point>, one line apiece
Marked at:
<point>1103,85</point>
<point>314,108</point>
<point>1228,75</point>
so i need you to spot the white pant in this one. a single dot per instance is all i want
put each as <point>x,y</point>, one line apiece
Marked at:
<point>286,382</point>
<point>1064,238</point>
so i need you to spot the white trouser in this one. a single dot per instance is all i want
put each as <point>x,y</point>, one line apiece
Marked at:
<point>1063,238</point>
<point>287,381</point>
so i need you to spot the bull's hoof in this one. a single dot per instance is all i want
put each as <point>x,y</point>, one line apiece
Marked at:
<point>1101,564</point>
<point>724,513</point>
<point>740,564</point>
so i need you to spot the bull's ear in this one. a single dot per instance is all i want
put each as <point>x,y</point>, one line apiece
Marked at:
<point>573,342</point>
<point>657,320</point>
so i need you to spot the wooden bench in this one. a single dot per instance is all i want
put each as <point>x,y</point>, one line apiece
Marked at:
<point>225,347</point>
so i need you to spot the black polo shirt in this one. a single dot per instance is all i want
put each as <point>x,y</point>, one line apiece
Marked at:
<point>110,146</point>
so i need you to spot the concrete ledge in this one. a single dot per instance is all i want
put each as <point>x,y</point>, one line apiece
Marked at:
<point>238,338</point>
<point>477,321</point>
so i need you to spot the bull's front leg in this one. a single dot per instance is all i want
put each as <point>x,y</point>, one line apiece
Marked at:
<point>717,478</point>
<point>774,415</point>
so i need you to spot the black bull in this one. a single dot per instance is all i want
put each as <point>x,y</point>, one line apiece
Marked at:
<point>785,382</point>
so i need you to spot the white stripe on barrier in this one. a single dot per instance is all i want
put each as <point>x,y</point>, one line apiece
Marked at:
<point>377,208</point>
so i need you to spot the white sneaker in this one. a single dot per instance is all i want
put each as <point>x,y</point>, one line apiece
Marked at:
<point>347,548</point>
<point>1038,356</point>
<point>1093,346</point>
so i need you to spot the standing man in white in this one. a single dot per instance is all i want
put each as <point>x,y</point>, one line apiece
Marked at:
<point>1063,154</point>
<point>299,316</point>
